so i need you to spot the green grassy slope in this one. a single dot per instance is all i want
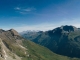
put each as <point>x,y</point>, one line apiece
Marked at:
<point>37,52</point>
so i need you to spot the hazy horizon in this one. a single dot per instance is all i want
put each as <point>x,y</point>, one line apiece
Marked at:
<point>23,15</point>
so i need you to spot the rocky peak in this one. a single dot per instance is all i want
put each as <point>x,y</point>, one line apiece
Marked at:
<point>68,28</point>
<point>63,29</point>
<point>14,32</point>
<point>1,30</point>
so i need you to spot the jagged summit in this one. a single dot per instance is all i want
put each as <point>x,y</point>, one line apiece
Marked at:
<point>1,30</point>
<point>68,28</point>
<point>64,29</point>
<point>14,32</point>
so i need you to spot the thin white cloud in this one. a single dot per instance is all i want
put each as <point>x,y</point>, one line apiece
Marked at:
<point>17,8</point>
<point>29,9</point>
<point>24,10</point>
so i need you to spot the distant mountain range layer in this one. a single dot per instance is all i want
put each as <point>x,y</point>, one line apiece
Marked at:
<point>64,40</point>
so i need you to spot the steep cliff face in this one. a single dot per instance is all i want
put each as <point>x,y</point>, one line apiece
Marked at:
<point>10,45</point>
<point>6,54</point>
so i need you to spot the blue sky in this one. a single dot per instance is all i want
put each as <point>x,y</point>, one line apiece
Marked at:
<point>43,15</point>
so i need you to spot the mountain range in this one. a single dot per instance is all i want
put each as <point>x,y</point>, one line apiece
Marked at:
<point>64,40</point>
<point>14,47</point>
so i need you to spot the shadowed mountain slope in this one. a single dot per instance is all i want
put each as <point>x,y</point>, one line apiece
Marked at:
<point>64,40</point>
